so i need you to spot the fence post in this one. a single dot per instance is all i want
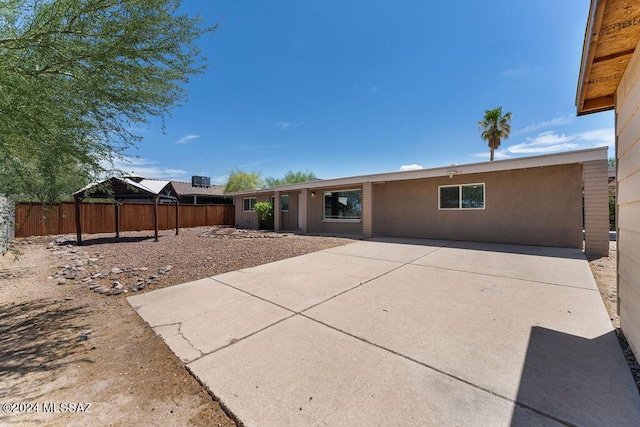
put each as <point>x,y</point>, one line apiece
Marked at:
<point>78,226</point>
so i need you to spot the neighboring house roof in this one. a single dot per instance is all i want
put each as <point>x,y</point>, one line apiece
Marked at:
<point>186,189</point>
<point>126,187</point>
<point>568,157</point>
<point>611,36</point>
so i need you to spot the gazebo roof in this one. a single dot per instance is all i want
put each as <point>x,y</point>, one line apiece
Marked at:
<point>128,188</point>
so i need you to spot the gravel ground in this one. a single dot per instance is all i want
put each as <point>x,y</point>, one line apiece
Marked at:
<point>61,343</point>
<point>198,252</point>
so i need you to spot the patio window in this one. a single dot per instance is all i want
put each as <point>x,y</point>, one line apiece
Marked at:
<point>284,202</point>
<point>343,205</point>
<point>248,204</point>
<point>465,196</point>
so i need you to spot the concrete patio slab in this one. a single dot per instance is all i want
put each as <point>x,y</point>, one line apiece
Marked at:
<point>396,249</point>
<point>301,282</point>
<point>300,373</point>
<point>485,330</point>
<point>564,266</point>
<point>191,335</point>
<point>178,303</point>
<point>452,333</point>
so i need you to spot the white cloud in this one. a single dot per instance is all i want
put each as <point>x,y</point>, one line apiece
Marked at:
<point>148,169</point>
<point>552,142</point>
<point>255,163</point>
<point>497,155</point>
<point>556,121</point>
<point>412,167</point>
<point>286,125</point>
<point>219,180</point>
<point>546,142</point>
<point>186,139</point>
<point>259,148</point>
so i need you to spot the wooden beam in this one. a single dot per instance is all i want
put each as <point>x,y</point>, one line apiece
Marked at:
<point>115,205</point>
<point>78,225</point>
<point>594,105</point>
<point>628,52</point>
<point>155,217</point>
<point>177,216</point>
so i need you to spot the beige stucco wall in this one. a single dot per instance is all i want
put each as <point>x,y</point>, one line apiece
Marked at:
<point>538,206</point>
<point>248,219</point>
<point>628,197</point>
<point>288,220</point>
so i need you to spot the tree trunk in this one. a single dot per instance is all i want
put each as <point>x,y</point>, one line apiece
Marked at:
<point>491,157</point>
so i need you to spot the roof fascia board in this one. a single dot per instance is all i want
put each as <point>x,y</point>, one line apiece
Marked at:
<point>465,169</point>
<point>588,51</point>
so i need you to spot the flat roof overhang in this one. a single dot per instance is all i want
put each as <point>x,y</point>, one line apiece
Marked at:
<point>611,37</point>
<point>567,157</point>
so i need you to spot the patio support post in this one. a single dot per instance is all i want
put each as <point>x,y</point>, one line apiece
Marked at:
<point>177,215</point>
<point>303,208</point>
<point>77,199</point>
<point>276,211</point>
<point>596,207</point>
<point>155,217</point>
<point>115,206</point>
<point>367,210</point>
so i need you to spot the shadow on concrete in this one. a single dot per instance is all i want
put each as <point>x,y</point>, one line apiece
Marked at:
<point>577,381</point>
<point>36,339</point>
<point>546,251</point>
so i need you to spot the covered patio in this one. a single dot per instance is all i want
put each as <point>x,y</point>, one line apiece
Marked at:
<point>127,189</point>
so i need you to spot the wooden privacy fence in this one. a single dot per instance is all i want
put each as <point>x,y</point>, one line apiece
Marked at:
<point>34,219</point>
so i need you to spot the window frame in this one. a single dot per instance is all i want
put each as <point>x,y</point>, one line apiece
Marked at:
<point>282,204</point>
<point>342,190</point>
<point>460,204</point>
<point>251,206</point>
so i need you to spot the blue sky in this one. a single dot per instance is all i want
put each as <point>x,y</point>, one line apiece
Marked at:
<point>346,88</point>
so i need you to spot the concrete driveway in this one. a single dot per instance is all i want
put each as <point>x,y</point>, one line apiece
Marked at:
<point>403,332</point>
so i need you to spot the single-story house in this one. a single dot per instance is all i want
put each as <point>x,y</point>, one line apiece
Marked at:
<point>529,201</point>
<point>610,79</point>
<point>192,193</point>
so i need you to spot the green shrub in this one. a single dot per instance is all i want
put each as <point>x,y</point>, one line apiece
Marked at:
<point>265,215</point>
<point>612,213</point>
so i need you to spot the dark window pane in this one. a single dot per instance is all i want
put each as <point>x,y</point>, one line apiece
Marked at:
<point>284,202</point>
<point>473,196</point>
<point>343,204</point>
<point>449,197</point>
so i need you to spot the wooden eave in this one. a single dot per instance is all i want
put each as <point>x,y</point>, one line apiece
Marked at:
<point>611,37</point>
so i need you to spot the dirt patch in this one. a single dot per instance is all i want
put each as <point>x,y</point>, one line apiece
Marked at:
<point>604,271</point>
<point>64,345</point>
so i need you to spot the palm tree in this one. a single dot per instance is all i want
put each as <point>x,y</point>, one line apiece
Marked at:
<point>495,126</point>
